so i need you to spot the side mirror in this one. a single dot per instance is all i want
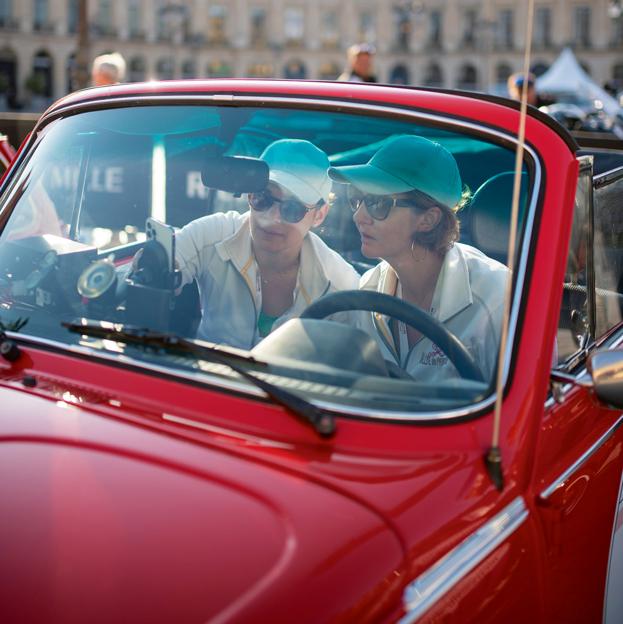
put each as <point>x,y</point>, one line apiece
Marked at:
<point>606,370</point>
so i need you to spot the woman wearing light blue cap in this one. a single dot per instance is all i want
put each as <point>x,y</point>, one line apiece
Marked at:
<point>404,202</point>
<point>256,270</point>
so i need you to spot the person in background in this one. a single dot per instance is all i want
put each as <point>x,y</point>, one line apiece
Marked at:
<point>515,84</point>
<point>258,269</point>
<point>108,69</point>
<point>405,201</point>
<point>360,59</point>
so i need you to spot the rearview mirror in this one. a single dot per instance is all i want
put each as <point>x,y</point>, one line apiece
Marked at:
<point>235,174</point>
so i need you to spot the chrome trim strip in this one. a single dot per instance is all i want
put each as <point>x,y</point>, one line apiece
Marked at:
<point>429,587</point>
<point>345,106</point>
<point>548,491</point>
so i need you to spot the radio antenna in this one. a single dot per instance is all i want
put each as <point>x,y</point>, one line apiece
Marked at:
<point>493,456</point>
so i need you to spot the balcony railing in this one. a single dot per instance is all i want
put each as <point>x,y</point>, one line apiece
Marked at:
<point>9,23</point>
<point>294,44</point>
<point>542,45</point>
<point>137,35</point>
<point>217,41</point>
<point>101,31</point>
<point>45,28</point>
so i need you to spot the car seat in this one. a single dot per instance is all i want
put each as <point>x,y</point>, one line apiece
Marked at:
<point>487,222</point>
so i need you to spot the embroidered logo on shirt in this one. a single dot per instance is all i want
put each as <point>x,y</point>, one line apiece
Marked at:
<point>434,357</point>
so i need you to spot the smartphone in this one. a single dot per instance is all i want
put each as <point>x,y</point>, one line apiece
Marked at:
<point>165,235</point>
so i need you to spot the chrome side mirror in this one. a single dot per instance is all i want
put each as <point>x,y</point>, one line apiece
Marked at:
<point>606,370</point>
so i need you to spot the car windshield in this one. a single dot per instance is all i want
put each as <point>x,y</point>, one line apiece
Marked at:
<point>358,259</point>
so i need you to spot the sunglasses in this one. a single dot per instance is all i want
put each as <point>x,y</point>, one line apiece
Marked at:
<point>292,210</point>
<point>377,206</point>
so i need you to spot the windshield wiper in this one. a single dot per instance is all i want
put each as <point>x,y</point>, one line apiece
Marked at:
<point>323,422</point>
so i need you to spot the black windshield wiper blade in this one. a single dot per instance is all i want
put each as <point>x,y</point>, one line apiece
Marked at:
<point>323,422</point>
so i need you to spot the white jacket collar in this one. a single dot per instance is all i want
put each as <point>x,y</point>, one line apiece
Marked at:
<point>452,292</point>
<point>312,279</point>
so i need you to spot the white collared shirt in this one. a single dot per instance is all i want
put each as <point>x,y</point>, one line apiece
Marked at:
<point>468,300</point>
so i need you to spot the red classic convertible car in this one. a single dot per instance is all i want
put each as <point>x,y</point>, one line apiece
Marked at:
<point>165,458</point>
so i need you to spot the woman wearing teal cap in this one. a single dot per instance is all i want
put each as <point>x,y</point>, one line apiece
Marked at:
<point>256,270</point>
<point>404,202</point>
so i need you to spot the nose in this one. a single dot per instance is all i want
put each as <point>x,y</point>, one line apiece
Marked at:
<point>361,215</point>
<point>274,212</point>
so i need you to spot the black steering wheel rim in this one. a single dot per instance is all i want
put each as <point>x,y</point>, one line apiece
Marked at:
<point>372,301</point>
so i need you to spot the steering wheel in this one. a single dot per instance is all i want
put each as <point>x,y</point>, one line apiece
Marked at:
<point>430,327</point>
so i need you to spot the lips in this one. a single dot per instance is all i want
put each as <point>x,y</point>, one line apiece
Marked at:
<point>271,233</point>
<point>365,237</point>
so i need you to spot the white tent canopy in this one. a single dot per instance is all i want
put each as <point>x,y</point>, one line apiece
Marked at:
<point>566,76</point>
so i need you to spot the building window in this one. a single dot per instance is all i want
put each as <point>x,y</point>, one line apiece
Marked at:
<point>137,69</point>
<point>103,18</point>
<point>616,40</point>
<point>435,33</point>
<point>72,16</point>
<point>433,77</point>
<point>41,14</point>
<point>330,30</point>
<point>217,18</point>
<point>260,70</point>
<point>505,30</point>
<point>470,25</point>
<point>582,30</point>
<point>367,27</point>
<point>294,26</point>
<point>295,69</point>
<point>6,11</point>
<point>399,75</point>
<point>134,19</point>
<point>617,75</point>
<point>165,68</point>
<point>259,35</point>
<point>468,78</point>
<point>402,26</point>
<point>542,27</point>
<point>8,75</point>
<point>502,72</point>
<point>219,69</point>
<point>42,72</point>
<point>70,73</point>
<point>329,71</point>
<point>189,69</point>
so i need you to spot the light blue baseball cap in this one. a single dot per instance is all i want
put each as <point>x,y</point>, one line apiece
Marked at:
<point>404,163</point>
<point>300,167</point>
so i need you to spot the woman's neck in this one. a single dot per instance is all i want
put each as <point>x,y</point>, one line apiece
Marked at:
<point>418,272</point>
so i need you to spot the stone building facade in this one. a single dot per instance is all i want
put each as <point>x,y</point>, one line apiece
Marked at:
<point>467,44</point>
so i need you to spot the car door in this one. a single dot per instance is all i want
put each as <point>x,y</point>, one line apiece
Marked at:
<point>580,450</point>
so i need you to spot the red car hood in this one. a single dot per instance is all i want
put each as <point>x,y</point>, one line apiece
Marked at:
<point>153,528</point>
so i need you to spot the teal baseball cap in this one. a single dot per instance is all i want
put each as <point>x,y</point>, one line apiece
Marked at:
<point>300,167</point>
<point>404,163</point>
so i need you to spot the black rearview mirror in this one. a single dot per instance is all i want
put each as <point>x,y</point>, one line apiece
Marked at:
<point>235,174</point>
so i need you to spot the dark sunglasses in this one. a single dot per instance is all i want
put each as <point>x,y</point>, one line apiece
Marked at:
<point>377,206</point>
<point>292,210</point>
